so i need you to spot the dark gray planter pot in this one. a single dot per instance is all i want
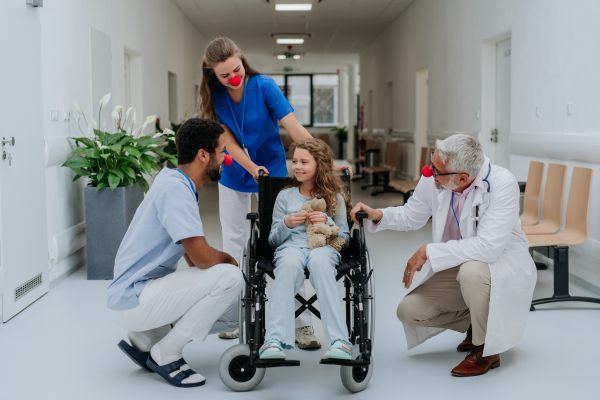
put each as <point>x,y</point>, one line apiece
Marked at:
<point>107,216</point>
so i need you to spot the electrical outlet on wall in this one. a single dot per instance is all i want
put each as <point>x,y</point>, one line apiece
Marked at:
<point>66,114</point>
<point>53,114</point>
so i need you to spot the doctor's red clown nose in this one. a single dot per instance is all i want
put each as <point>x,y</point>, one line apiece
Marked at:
<point>228,160</point>
<point>427,171</point>
<point>235,81</point>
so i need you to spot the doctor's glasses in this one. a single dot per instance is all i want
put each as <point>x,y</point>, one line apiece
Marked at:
<point>434,169</point>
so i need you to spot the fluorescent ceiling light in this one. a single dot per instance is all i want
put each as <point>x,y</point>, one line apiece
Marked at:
<point>281,57</point>
<point>297,57</point>
<point>290,41</point>
<point>293,7</point>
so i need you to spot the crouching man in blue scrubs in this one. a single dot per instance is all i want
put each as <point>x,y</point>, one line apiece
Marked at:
<point>147,292</point>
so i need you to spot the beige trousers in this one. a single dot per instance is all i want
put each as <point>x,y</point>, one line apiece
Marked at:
<point>452,299</point>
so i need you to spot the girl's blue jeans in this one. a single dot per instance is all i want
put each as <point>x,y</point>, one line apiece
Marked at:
<point>290,263</point>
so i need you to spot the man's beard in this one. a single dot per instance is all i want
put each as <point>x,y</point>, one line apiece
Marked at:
<point>450,186</point>
<point>212,171</point>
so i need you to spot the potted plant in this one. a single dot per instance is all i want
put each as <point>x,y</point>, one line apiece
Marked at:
<point>341,133</point>
<point>169,138</point>
<point>114,165</point>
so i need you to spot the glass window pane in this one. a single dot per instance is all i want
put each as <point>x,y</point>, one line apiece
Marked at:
<point>325,100</point>
<point>299,97</point>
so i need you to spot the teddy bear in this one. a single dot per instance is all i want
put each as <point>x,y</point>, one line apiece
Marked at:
<point>321,234</point>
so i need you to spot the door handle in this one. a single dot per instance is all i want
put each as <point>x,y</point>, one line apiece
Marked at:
<point>10,141</point>
<point>494,137</point>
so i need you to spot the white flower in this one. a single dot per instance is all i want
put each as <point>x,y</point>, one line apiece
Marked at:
<point>149,120</point>
<point>126,116</point>
<point>98,143</point>
<point>195,115</point>
<point>153,145</point>
<point>105,100</point>
<point>119,108</point>
<point>77,116</point>
<point>168,132</point>
<point>158,134</point>
<point>95,124</point>
<point>115,115</point>
<point>76,106</point>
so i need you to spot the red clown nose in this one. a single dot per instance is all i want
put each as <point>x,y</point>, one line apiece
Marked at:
<point>228,160</point>
<point>427,171</point>
<point>236,80</point>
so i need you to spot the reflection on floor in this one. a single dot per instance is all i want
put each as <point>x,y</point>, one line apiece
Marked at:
<point>64,345</point>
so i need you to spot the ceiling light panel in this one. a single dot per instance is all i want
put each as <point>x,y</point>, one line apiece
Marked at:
<point>293,7</point>
<point>290,41</point>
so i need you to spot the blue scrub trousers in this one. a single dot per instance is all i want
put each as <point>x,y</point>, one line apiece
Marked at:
<point>290,263</point>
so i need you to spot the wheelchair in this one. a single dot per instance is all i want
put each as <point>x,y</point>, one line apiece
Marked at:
<point>240,368</point>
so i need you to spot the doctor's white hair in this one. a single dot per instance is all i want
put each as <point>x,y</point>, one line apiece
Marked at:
<point>463,153</point>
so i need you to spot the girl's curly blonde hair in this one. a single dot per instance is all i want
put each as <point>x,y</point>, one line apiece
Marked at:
<point>328,184</point>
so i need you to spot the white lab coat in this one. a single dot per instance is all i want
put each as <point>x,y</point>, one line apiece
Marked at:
<point>497,241</point>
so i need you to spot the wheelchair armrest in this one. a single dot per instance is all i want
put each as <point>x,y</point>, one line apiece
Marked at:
<point>266,266</point>
<point>252,216</point>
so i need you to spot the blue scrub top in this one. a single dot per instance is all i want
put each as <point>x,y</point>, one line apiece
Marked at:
<point>265,106</point>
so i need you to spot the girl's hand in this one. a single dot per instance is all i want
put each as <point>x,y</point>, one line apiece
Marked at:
<point>341,168</point>
<point>317,216</point>
<point>255,172</point>
<point>294,220</point>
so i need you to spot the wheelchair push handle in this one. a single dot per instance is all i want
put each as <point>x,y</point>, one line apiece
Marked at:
<point>261,172</point>
<point>361,215</point>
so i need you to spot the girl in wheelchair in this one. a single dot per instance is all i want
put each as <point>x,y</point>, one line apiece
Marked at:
<point>312,176</point>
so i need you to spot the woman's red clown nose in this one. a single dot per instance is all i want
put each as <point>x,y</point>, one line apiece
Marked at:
<point>235,81</point>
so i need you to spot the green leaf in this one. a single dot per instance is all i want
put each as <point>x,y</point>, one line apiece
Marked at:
<point>132,151</point>
<point>101,185</point>
<point>143,184</point>
<point>86,141</point>
<point>148,141</point>
<point>130,159</point>
<point>88,152</point>
<point>115,147</point>
<point>116,172</point>
<point>127,181</point>
<point>101,135</point>
<point>173,161</point>
<point>129,171</point>
<point>101,174</point>
<point>113,138</point>
<point>125,140</point>
<point>82,172</point>
<point>150,158</point>
<point>77,162</point>
<point>105,156</point>
<point>113,181</point>
<point>146,165</point>
<point>76,177</point>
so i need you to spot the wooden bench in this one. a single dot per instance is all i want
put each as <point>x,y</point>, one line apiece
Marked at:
<point>408,187</point>
<point>388,166</point>
<point>533,194</point>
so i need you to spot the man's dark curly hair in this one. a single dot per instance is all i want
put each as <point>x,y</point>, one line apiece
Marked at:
<point>196,134</point>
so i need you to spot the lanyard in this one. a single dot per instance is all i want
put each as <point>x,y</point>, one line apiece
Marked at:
<point>241,131</point>
<point>452,205</point>
<point>191,183</point>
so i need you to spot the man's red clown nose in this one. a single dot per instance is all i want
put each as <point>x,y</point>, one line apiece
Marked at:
<point>427,171</point>
<point>228,160</point>
<point>236,80</point>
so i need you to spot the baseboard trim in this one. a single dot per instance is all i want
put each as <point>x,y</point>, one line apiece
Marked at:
<point>56,281</point>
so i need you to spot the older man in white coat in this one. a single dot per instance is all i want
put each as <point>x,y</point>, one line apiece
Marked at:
<point>481,276</point>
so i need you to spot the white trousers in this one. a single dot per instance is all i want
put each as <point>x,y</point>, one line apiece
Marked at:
<point>233,208</point>
<point>191,298</point>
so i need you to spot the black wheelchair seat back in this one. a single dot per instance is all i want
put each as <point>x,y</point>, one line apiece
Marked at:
<point>268,189</point>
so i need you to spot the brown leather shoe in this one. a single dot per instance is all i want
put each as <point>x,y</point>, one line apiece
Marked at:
<point>467,344</point>
<point>475,364</point>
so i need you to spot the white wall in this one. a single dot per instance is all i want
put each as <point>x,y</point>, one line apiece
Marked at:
<point>555,56</point>
<point>157,30</point>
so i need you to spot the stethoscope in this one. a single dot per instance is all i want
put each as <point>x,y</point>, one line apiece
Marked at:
<point>241,131</point>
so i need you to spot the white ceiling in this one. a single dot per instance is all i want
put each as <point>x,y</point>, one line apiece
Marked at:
<point>340,29</point>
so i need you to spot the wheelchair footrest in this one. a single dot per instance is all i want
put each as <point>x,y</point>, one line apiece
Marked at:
<point>277,363</point>
<point>347,363</point>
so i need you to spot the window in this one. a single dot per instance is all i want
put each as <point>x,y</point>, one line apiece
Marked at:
<point>313,96</point>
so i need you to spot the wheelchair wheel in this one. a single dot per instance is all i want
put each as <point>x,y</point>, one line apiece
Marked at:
<point>232,371</point>
<point>356,379</point>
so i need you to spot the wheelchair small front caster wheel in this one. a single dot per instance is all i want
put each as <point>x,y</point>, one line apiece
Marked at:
<point>356,379</point>
<point>235,371</point>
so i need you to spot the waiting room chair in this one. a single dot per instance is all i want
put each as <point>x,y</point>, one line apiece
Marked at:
<point>389,165</point>
<point>533,194</point>
<point>370,147</point>
<point>408,187</point>
<point>553,202</point>
<point>575,232</point>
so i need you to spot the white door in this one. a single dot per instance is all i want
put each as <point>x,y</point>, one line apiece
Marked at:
<point>23,235</point>
<point>503,57</point>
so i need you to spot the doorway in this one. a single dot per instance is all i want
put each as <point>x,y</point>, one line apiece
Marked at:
<point>173,116</point>
<point>389,108</point>
<point>495,112</point>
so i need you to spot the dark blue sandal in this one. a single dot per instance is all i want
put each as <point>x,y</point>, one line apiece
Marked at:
<point>138,357</point>
<point>166,370</point>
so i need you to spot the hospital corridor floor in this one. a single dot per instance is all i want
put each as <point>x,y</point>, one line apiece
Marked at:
<point>64,346</point>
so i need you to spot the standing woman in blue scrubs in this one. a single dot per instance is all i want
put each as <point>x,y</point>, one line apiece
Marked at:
<point>249,106</point>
